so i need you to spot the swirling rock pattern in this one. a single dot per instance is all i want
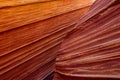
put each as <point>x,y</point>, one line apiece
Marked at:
<point>93,49</point>
<point>30,34</point>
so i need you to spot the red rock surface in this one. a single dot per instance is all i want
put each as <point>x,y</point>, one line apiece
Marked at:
<point>93,48</point>
<point>30,34</point>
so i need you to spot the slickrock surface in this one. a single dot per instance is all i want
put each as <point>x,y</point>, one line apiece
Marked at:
<point>16,16</point>
<point>30,35</point>
<point>92,50</point>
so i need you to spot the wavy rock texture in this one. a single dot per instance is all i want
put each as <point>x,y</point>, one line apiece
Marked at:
<point>30,35</point>
<point>17,16</point>
<point>10,3</point>
<point>93,48</point>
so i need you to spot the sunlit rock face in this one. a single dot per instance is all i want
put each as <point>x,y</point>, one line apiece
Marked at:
<point>93,48</point>
<point>31,32</point>
<point>84,38</point>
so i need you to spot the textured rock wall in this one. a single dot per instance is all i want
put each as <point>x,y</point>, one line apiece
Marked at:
<point>93,49</point>
<point>30,35</point>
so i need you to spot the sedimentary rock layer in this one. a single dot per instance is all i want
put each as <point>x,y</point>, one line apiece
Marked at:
<point>93,48</point>
<point>30,35</point>
<point>16,16</point>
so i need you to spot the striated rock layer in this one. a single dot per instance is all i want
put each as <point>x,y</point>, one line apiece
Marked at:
<point>93,48</point>
<point>19,15</point>
<point>30,35</point>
